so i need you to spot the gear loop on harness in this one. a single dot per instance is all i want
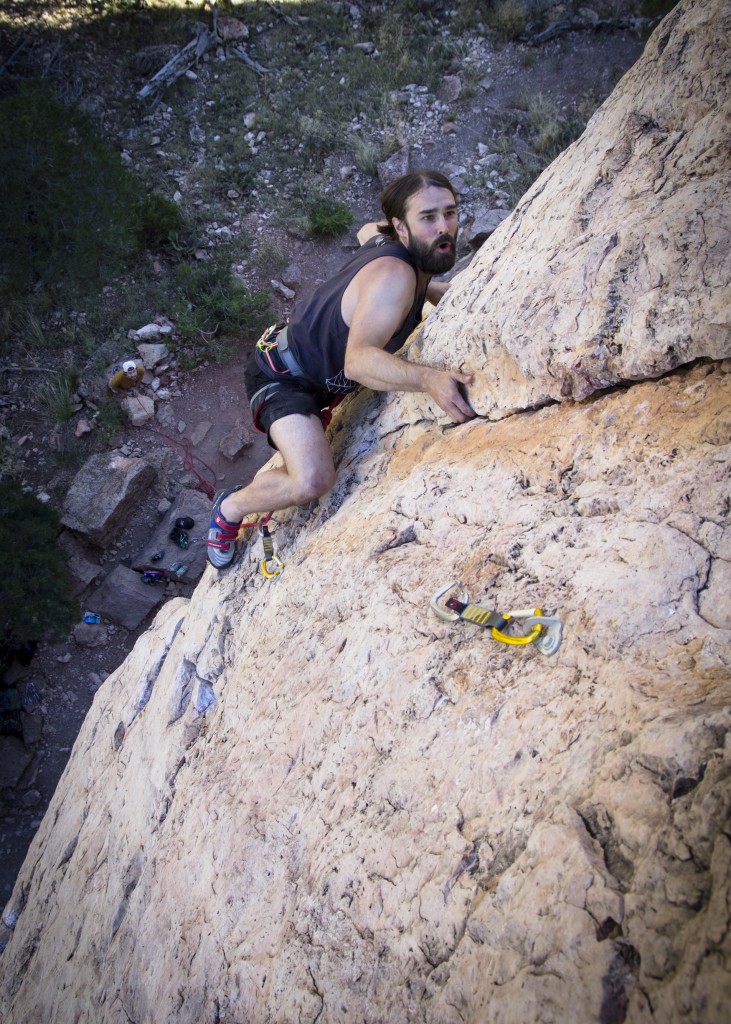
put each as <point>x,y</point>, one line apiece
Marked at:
<point>544,631</point>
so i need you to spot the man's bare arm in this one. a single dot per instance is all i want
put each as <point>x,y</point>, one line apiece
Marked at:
<point>369,230</point>
<point>384,296</point>
<point>436,290</point>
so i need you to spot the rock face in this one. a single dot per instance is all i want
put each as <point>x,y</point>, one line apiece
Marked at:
<point>312,799</point>
<point>572,295</point>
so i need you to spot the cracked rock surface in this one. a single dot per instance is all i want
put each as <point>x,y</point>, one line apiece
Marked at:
<point>314,800</point>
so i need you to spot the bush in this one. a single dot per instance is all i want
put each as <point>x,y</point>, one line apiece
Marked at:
<point>56,397</point>
<point>109,420</point>
<point>36,602</point>
<point>63,192</point>
<point>217,304</point>
<point>508,20</point>
<point>160,221</point>
<point>327,217</point>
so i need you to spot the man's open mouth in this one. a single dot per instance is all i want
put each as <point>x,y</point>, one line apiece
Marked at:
<point>444,245</point>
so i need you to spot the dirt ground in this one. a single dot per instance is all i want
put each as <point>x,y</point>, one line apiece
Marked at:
<point>66,676</point>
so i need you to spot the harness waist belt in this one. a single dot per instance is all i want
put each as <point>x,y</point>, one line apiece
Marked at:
<point>287,355</point>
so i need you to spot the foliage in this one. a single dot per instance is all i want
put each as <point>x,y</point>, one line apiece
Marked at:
<point>327,218</point>
<point>82,227</point>
<point>56,397</point>
<point>272,257</point>
<point>74,219</point>
<point>550,132</point>
<point>367,154</point>
<point>35,600</point>
<point>160,220</point>
<point>68,210</point>
<point>216,303</point>
<point>109,420</point>
<point>508,20</point>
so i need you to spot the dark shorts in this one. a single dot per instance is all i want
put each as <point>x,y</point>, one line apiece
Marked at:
<point>284,399</point>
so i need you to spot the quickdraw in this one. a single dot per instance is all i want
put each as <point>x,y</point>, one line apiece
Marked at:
<point>545,632</point>
<point>270,565</point>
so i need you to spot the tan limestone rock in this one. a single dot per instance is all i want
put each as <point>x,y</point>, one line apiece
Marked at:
<point>570,294</point>
<point>313,799</point>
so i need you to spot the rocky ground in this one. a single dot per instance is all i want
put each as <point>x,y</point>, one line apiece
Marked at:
<point>449,132</point>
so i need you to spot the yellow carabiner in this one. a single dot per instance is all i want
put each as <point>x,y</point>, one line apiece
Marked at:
<point>518,641</point>
<point>269,573</point>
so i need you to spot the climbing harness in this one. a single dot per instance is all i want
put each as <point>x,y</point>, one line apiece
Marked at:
<point>270,342</point>
<point>179,537</point>
<point>545,632</point>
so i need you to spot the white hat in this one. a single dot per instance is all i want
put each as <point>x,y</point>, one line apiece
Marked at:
<point>129,365</point>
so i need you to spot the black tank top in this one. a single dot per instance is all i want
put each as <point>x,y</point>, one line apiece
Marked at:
<point>318,334</point>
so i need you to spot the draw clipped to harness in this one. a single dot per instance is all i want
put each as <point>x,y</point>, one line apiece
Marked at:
<point>545,632</point>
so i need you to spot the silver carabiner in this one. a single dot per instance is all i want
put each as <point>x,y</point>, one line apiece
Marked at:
<point>464,597</point>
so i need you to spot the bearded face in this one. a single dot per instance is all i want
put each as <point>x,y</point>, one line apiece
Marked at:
<point>429,228</point>
<point>433,258</point>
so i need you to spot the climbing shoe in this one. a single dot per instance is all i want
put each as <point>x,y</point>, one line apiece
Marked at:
<point>222,533</point>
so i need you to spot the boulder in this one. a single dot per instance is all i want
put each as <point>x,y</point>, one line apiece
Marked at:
<point>82,570</point>
<point>138,409</point>
<point>394,166</point>
<point>103,494</point>
<point>124,599</point>
<point>152,354</point>
<point>579,302</point>
<point>450,89</point>
<point>192,504</point>
<point>90,634</point>
<point>236,442</point>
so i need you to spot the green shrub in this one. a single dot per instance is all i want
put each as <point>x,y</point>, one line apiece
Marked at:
<point>367,154</point>
<point>215,303</point>
<point>109,420</point>
<point>508,20</point>
<point>550,132</point>
<point>36,602</point>
<point>160,220</point>
<point>328,217</point>
<point>271,258</point>
<point>55,397</point>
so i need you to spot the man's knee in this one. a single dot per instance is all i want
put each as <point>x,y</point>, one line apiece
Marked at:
<point>313,482</point>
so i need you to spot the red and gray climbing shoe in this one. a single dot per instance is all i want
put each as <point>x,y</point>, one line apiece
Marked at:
<point>222,533</point>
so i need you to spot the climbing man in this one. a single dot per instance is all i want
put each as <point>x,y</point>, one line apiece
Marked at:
<point>345,336</point>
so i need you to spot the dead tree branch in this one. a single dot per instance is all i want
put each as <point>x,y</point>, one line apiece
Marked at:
<point>184,60</point>
<point>241,53</point>
<point>180,63</point>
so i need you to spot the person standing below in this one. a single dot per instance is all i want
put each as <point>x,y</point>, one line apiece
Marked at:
<point>345,336</point>
<point>126,377</point>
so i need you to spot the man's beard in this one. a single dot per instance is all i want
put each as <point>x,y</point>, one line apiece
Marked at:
<point>427,257</point>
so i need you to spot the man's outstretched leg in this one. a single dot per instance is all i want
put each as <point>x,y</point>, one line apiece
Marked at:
<point>308,473</point>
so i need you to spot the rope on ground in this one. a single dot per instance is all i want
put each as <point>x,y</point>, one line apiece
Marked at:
<point>208,487</point>
<point>189,459</point>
